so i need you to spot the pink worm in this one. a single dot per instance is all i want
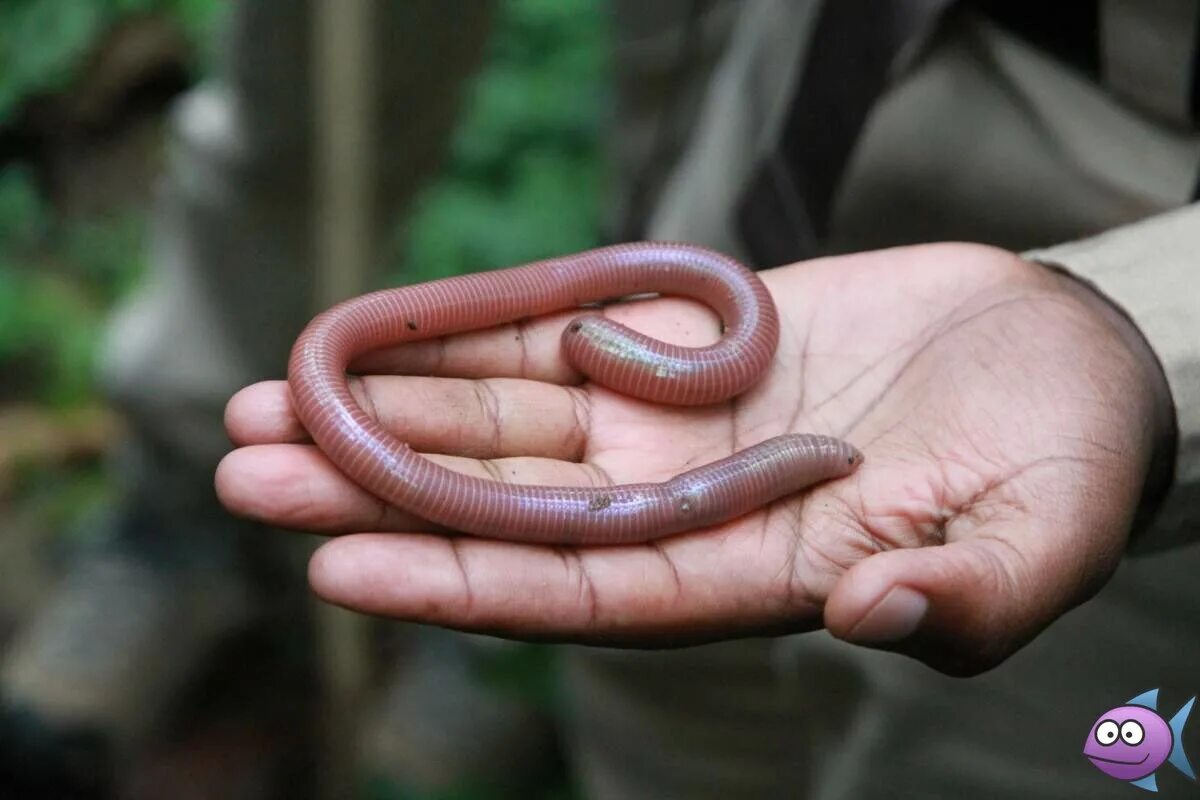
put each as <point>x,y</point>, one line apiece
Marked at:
<point>603,350</point>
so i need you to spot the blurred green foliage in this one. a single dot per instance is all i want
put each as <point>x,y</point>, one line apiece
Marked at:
<point>57,282</point>
<point>59,278</point>
<point>523,179</point>
<point>524,175</point>
<point>42,42</point>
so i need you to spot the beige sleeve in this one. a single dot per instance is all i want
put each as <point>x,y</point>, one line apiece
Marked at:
<point>1151,270</point>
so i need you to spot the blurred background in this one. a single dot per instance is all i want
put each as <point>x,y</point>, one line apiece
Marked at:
<point>87,90</point>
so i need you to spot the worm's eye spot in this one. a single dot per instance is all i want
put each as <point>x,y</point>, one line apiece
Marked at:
<point>412,326</point>
<point>600,503</point>
<point>575,327</point>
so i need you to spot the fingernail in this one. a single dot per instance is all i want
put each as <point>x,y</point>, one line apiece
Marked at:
<point>896,616</point>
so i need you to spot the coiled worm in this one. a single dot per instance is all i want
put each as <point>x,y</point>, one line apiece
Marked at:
<point>608,353</point>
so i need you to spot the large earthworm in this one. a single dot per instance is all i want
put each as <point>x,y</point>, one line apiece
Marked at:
<point>608,353</point>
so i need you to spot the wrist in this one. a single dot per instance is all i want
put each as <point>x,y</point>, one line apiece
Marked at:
<point>1159,421</point>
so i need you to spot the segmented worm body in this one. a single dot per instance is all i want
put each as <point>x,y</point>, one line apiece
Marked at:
<point>606,352</point>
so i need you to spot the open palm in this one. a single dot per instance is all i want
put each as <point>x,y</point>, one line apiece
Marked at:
<point>1009,419</point>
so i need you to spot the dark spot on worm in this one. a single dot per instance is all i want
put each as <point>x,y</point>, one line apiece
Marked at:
<point>575,327</point>
<point>850,460</point>
<point>412,326</point>
<point>600,503</point>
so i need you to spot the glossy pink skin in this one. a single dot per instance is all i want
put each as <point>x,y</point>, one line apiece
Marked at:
<point>608,353</point>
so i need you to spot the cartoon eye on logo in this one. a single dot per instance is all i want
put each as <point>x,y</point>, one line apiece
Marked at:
<point>1132,741</point>
<point>1107,732</point>
<point>1132,733</point>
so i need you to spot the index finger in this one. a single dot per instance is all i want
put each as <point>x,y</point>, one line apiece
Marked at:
<point>685,589</point>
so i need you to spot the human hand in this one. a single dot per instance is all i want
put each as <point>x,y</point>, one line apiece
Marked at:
<point>1009,418</point>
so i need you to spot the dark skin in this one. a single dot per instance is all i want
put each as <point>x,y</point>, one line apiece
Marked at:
<point>1010,418</point>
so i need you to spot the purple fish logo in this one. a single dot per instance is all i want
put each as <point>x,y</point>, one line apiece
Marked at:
<point>1132,741</point>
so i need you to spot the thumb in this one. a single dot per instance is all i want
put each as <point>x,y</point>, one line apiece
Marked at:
<point>965,606</point>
